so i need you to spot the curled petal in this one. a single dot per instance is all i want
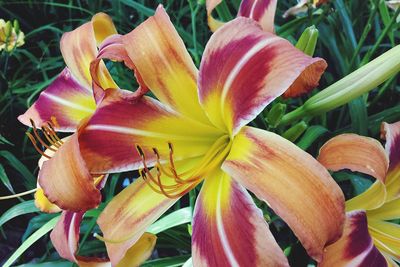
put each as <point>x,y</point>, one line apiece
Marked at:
<point>78,48</point>
<point>391,132</point>
<point>357,153</point>
<point>65,238</point>
<point>66,181</point>
<point>130,212</point>
<point>103,27</point>
<point>355,247</point>
<point>114,49</point>
<point>213,23</point>
<point>240,56</point>
<point>292,183</point>
<point>64,104</point>
<point>161,58</point>
<point>301,7</point>
<point>120,123</point>
<point>374,197</point>
<point>43,203</point>
<point>228,228</point>
<point>262,11</point>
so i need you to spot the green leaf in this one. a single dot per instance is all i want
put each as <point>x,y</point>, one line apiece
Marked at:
<point>18,210</point>
<point>30,240</point>
<point>30,180</point>
<point>4,179</point>
<point>359,116</point>
<point>48,264</point>
<point>3,140</point>
<point>170,262</point>
<point>173,219</point>
<point>309,137</point>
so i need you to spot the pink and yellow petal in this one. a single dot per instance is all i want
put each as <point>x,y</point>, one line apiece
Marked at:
<point>355,248</point>
<point>78,48</point>
<point>228,228</point>
<point>64,104</point>
<point>213,23</point>
<point>357,153</point>
<point>292,183</point>
<point>163,62</point>
<point>132,211</point>
<point>66,181</point>
<point>262,11</point>
<point>43,203</point>
<point>240,56</point>
<point>386,237</point>
<point>391,132</point>
<point>109,140</point>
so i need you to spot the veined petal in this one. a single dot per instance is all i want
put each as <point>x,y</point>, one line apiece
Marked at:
<point>163,62</point>
<point>130,212</point>
<point>78,48</point>
<point>357,153</point>
<point>240,56</point>
<point>65,238</point>
<point>64,104</point>
<point>262,11</point>
<point>66,180</point>
<point>120,123</point>
<point>388,211</point>
<point>386,237</point>
<point>292,182</point>
<point>355,247</point>
<point>228,228</point>
<point>391,132</point>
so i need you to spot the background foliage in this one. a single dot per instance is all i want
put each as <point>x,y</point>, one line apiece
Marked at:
<point>351,34</point>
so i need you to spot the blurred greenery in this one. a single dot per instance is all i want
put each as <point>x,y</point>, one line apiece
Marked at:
<point>351,33</point>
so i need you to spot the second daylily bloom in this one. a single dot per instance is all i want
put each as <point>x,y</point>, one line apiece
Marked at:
<point>302,7</point>
<point>63,106</point>
<point>369,238</point>
<point>195,131</point>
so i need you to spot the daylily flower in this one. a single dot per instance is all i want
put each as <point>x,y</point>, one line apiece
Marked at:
<point>63,106</point>
<point>393,4</point>
<point>10,37</point>
<point>369,238</point>
<point>302,7</point>
<point>195,131</point>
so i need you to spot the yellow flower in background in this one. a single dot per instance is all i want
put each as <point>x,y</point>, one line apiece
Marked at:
<point>10,35</point>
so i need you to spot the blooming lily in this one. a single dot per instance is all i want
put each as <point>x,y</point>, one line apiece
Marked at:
<point>195,131</point>
<point>10,37</point>
<point>369,238</point>
<point>63,106</point>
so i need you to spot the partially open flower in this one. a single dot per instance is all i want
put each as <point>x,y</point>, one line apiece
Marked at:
<point>10,36</point>
<point>303,6</point>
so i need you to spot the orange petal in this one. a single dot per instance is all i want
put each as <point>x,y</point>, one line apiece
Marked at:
<point>78,48</point>
<point>66,180</point>
<point>228,228</point>
<point>391,132</point>
<point>163,62</point>
<point>292,182</point>
<point>355,247</point>
<point>357,153</point>
<point>103,27</point>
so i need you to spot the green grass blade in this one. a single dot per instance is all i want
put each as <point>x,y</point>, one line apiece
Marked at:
<point>175,218</point>
<point>30,180</point>
<point>32,239</point>
<point>310,136</point>
<point>18,210</point>
<point>4,179</point>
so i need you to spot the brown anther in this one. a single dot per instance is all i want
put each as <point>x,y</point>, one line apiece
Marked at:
<point>36,133</point>
<point>140,151</point>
